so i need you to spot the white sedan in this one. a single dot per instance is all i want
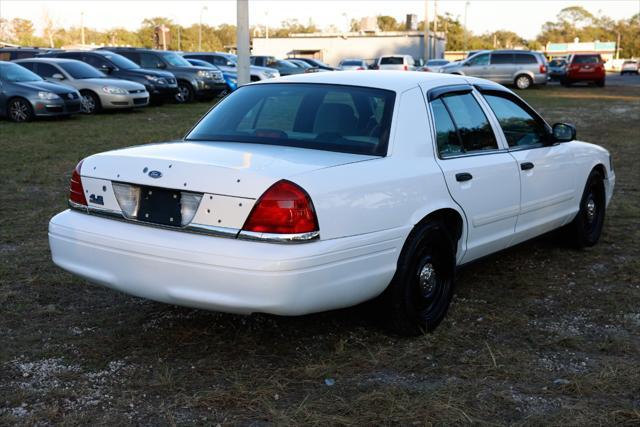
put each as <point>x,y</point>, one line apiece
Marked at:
<point>320,191</point>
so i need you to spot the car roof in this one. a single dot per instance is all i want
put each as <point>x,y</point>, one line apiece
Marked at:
<point>397,81</point>
<point>47,59</point>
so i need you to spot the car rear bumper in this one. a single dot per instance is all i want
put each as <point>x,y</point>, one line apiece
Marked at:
<point>224,274</point>
<point>209,88</point>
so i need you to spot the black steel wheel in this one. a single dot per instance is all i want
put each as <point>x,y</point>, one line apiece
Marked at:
<point>586,227</point>
<point>420,292</point>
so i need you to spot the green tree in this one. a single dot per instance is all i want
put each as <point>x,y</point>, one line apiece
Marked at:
<point>388,23</point>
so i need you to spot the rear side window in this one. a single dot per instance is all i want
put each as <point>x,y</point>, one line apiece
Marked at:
<point>392,60</point>
<point>501,58</point>
<point>94,60</point>
<point>586,59</point>
<point>31,66</point>
<point>520,128</point>
<point>5,56</point>
<point>473,131</point>
<point>525,58</point>
<point>326,117</point>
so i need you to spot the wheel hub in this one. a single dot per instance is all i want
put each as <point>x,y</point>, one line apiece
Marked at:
<point>427,279</point>
<point>591,210</point>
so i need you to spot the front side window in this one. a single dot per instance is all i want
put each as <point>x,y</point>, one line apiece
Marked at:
<point>326,117</point>
<point>150,60</point>
<point>520,128</point>
<point>479,60</point>
<point>95,61</point>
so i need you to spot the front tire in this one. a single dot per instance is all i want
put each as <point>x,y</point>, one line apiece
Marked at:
<point>523,82</point>
<point>90,102</point>
<point>19,110</point>
<point>586,227</point>
<point>420,292</point>
<point>185,93</point>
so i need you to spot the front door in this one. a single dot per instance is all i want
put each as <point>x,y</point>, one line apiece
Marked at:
<point>477,66</point>
<point>548,189</point>
<point>481,177</point>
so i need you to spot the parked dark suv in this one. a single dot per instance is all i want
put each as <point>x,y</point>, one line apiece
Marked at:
<point>193,82</point>
<point>12,53</point>
<point>161,85</point>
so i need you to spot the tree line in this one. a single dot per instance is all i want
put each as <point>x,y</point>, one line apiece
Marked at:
<point>570,23</point>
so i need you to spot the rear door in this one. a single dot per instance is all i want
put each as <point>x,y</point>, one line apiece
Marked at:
<point>501,67</point>
<point>547,181</point>
<point>481,176</point>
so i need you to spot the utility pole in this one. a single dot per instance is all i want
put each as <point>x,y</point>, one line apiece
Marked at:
<point>202,9</point>
<point>82,28</point>
<point>179,34</point>
<point>618,47</point>
<point>427,51</point>
<point>242,36</point>
<point>466,10</point>
<point>435,28</point>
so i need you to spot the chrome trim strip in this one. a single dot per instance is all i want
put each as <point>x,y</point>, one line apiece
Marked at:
<point>204,229</point>
<point>279,238</point>
<point>212,230</point>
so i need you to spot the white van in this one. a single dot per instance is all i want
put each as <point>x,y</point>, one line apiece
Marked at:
<point>396,62</point>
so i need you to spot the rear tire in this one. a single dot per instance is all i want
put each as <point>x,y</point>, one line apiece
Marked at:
<point>418,297</point>
<point>523,82</point>
<point>586,227</point>
<point>19,110</point>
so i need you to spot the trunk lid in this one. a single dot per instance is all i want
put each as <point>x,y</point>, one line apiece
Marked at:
<point>224,168</point>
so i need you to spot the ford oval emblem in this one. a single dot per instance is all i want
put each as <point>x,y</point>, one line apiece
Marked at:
<point>155,174</point>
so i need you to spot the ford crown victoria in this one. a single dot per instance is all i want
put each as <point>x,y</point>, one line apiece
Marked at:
<point>320,191</point>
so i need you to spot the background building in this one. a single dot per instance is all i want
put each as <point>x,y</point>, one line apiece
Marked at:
<point>333,47</point>
<point>607,50</point>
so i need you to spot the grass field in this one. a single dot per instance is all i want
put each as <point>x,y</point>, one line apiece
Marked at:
<point>538,334</point>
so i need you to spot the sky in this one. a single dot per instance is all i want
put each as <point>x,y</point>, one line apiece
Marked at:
<point>524,17</point>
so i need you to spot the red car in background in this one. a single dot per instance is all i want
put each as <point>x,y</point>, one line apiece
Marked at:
<point>584,67</point>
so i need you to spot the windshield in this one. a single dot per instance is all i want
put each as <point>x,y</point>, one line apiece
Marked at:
<point>175,60</point>
<point>121,62</point>
<point>346,119</point>
<point>81,70</point>
<point>437,62</point>
<point>15,73</point>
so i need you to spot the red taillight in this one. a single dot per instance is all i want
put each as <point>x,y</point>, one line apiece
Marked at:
<point>543,68</point>
<point>406,67</point>
<point>360,68</point>
<point>284,208</point>
<point>76,192</point>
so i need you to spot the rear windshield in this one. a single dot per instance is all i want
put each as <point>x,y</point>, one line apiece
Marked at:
<point>557,62</point>
<point>352,62</point>
<point>586,59</point>
<point>392,60</point>
<point>438,62</point>
<point>345,119</point>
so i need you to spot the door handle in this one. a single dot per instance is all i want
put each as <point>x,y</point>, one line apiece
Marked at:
<point>526,166</point>
<point>464,176</point>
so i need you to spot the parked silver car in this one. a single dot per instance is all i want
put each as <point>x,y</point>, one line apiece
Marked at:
<point>520,68</point>
<point>97,90</point>
<point>353,64</point>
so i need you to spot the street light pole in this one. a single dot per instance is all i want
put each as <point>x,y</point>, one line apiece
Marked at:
<point>466,10</point>
<point>204,8</point>
<point>82,28</point>
<point>427,44</point>
<point>242,36</point>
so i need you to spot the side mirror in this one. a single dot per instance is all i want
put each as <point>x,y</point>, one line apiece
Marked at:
<point>58,76</point>
<point>106,69</point>
<point>563,132</point>
<point>466,64</point>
